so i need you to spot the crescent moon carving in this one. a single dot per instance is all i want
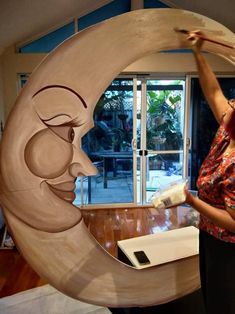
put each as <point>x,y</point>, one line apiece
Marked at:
<point>41,157</point>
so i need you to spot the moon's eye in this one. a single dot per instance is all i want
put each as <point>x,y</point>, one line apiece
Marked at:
<point>71,135</point>
<point>66,132</point>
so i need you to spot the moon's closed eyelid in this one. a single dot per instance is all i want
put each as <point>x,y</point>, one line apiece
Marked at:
<point>64,130</point>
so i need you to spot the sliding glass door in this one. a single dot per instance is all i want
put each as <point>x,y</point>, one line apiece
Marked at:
<point>160,135</point>
<point>137,143</point>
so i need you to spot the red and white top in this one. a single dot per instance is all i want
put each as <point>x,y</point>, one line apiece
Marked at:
<point>216,183</point>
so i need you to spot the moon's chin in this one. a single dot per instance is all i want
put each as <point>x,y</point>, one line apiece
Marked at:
<point>68,196</point>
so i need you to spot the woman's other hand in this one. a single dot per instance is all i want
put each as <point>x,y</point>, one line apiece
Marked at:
<point>189,197</point>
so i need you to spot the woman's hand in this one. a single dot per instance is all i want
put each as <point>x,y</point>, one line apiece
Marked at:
<point>189,197</point>
<point>196,41</point>
<point>208,81</point>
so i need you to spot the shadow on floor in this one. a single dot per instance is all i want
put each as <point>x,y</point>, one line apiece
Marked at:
<point>190,304</point>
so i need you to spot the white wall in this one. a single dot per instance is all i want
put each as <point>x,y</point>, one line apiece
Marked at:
<point>182,63</point>
<point>13,64</point>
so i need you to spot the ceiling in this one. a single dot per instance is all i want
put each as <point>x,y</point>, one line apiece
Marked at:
<point>27,19</point>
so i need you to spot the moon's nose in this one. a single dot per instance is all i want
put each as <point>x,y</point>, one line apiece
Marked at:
<point>77,169</point>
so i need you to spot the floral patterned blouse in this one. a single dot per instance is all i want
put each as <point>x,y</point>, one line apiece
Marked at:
<point>216,183</point>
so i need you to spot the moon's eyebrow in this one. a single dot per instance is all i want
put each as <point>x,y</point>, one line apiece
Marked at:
<point>64,87</point>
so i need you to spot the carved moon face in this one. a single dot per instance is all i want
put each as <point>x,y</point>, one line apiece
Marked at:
<point>41,156</point>
<point>49,158</point>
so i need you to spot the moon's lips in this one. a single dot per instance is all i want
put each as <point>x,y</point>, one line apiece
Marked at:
<point>64,190</point>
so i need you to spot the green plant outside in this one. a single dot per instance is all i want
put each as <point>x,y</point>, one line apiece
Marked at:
<point>163,123</point>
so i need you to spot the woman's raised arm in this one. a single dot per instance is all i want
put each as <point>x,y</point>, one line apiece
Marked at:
<point>208,81</point>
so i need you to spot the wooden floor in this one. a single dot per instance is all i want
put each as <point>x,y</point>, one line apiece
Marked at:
<point>108,226</point>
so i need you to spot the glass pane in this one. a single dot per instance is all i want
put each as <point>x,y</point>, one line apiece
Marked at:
<point>138,179</point>
<point>138,115</point>
<point>23,78</point>
<point>108,145</point>
<point>165,114</point>
<point>162,170</point>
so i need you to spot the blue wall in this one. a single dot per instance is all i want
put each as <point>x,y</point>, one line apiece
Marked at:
<point>114,8</point>
<point>154,4</point>
<point>48,42</point>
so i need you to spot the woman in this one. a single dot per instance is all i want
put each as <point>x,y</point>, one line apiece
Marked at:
<point>216,202</point>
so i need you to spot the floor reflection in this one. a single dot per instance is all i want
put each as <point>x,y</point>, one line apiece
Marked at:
<point>111,225</point>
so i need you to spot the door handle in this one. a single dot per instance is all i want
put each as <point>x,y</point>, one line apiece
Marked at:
<point>134,144</point>
<point>188,142</point>
<point>143,152</point>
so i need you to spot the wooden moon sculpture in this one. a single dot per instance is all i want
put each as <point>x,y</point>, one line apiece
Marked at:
<point>41,156</point>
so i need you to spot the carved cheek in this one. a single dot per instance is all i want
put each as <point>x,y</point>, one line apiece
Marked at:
<point>47,155</point>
